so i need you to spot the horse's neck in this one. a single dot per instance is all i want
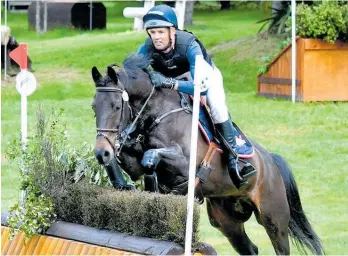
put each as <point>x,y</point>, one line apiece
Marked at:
<point>161,101</point>
<point>165,101</point>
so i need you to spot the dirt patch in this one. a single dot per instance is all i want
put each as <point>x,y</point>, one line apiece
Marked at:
<point>250,47</point>
<point>4,160</point>
<point>229,45</point>
<point>47,75</point>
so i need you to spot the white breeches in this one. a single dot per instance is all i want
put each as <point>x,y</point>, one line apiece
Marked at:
<point>216,98</point>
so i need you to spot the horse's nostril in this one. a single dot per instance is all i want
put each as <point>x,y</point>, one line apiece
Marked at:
<point>100,159</point>
<point>106,153</point>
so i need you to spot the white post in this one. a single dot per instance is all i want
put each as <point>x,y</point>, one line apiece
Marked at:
<point>293,51</point>
<point>148,4</point>
<point>24,125</point>
<point>138,24</point>
<point>193,152</point>
<point>26,85</point>
<point>37,17</point>
<point>24,121</point>
<point>180,6</point>
<point>45,16</point>
<point>138,21</point>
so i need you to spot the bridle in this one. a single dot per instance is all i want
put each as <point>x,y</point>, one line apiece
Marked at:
<point>116,146</point>
<point>101,131</point>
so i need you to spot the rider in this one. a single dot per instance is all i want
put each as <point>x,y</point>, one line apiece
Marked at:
<point>173,52</point>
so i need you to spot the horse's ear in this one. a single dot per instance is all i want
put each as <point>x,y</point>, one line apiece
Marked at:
<point>96,75</point>
<point>112,74</point>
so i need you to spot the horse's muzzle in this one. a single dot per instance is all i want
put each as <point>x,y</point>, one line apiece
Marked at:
<point>103,156</point>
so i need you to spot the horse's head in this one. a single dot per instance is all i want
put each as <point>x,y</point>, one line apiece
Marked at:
<point>108,104</point>
<point>111,103</point>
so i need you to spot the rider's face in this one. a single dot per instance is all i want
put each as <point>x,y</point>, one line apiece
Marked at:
<point>160,37</point>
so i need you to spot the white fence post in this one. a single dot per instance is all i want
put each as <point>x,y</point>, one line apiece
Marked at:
<point>180,6</point>
<point>138,12</point>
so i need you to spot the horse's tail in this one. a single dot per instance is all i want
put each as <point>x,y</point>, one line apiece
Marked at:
<point>300,229</point>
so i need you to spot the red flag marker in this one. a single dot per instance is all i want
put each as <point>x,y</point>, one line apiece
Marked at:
<point>20,55</point>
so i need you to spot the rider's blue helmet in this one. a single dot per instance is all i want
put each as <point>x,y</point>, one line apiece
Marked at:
<point>160,16</point>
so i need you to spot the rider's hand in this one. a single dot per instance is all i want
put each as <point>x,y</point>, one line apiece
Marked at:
<point>159,80</point>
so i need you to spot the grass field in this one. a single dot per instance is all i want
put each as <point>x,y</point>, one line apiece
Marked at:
<point>313,137</point>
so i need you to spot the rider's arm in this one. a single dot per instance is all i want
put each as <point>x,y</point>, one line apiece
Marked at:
<point>192,52</point>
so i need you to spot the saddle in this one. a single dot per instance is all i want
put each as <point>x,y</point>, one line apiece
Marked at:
<point>210,134</point>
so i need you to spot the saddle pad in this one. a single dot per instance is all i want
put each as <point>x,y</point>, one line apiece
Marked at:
<point>245,148</point>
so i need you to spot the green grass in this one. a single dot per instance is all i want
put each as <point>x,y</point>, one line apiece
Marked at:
<point>313,137</point>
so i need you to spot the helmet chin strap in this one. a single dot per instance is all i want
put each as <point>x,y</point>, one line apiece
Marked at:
<point>169,45</point>
<point>171,39</point>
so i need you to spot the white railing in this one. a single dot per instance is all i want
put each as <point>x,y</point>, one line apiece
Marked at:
<point>138,12</point>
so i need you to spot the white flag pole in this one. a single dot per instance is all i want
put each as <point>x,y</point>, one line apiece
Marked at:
<point>24,121</point>
<point>25,85</point>
<point>24,127</point>
<point>199,72</point>
<point>293,51</point>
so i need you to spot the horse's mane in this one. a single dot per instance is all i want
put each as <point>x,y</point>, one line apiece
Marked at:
<point>135,64</point>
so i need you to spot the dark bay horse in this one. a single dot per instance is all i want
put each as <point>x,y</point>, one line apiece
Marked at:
<point>126,95</point>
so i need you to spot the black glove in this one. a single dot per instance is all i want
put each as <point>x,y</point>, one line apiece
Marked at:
<point>159,80</point>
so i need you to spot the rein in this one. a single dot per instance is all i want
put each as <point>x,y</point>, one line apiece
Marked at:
<point>135,121</point>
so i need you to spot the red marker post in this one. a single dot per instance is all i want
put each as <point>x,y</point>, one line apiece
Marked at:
<point>26,85</point>
<point>20,56</point>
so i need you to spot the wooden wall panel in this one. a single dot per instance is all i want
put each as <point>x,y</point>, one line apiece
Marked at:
<point>321,71</point>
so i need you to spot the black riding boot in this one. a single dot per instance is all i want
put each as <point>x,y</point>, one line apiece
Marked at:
<point>226,130</point>
<point>116,178</point>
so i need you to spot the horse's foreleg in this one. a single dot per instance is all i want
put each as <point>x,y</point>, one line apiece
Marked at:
<point>116,177</point>
<point>170,156</point>
<point>233,228</point>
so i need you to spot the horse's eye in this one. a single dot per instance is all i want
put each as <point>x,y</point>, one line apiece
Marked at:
<point>115,106</point>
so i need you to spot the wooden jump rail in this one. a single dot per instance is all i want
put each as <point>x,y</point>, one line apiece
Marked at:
<point>64,238</point>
